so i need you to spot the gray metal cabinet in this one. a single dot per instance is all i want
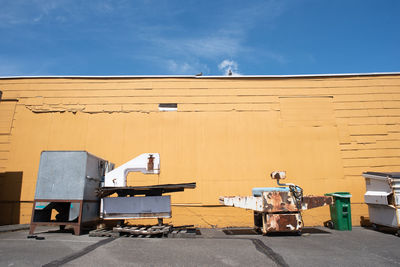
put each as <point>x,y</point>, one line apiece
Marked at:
<point>67,183</point>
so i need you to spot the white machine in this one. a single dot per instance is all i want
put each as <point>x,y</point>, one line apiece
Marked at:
<point>148,163</point>
<point>130,206</point>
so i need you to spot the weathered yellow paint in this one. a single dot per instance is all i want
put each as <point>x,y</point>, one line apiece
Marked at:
<point>227,135</point>
<point>7,109</point>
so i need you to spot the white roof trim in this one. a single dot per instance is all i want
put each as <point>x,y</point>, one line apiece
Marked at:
<point>97,77</point>
<point>202,77</point>
<point>304,75</point>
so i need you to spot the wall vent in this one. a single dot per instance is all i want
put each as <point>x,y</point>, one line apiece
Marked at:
<point>168,107</point>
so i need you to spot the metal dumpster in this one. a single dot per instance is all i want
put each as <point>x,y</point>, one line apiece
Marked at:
<point>383,198</point>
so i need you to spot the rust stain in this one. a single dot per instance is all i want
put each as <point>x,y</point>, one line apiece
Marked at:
<point>279,202</point>
<point>283,222</point>
<point>310,202</point>
<point>150,163</point>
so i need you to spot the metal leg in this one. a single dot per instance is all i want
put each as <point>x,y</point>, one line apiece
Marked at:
<point>264,223</point>
<point>77,230</point>
<point>33,226</point>
<point>32,229</point>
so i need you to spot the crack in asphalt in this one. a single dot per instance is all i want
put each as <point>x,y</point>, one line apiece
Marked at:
<point>80,253</point>
<point>259,245</point>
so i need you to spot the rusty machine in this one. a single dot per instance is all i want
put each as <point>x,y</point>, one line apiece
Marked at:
<point>277,209</point>
<point>76,188</point>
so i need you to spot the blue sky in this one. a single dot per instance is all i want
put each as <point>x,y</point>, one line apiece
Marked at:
<point>121,37</point>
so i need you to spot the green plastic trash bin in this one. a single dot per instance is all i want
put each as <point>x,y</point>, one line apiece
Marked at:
<point>341,210</point>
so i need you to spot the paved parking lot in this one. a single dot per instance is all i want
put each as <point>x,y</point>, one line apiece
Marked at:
<point>214,247</point>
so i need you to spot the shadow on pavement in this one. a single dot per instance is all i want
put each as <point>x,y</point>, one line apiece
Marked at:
<point>383,229</point>
<point>311,230</point>
<point>252,231</point>
<point>240,231</point>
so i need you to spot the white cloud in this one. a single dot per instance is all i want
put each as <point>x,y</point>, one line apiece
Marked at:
<point>182,68</point>
<point>156,28</point>
<point>227,66</point>
<point>207,47</point>
<point>25,12</point>
<point>18,12</point>
<point>225,38</point>
<point>185,68</point>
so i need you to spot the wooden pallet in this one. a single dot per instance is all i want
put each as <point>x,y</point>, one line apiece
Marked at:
<point>146,231</point>
<point>143,231</point>
<point>103,233</point>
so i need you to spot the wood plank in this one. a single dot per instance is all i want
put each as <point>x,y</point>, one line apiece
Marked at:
<point>371,162</point>
<point>359,105</point>
<point>384,112</point>
<point>358,121</point>
<point>367,97</point>
<point>333,82</point>
<point>152,100</point>
<point>357,171</point>
<point>110,90</point>
<point>351,113</point>
<point>394,128</point>
<point>371,153</point>
<point>390,136</point>
<point>229,107</point>
<point>388,120</point>
<point>4,138</point>
<point>366,138</point>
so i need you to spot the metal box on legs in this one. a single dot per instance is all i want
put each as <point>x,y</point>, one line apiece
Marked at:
<point>66,189</point>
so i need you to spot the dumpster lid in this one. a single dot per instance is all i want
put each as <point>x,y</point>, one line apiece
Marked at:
<point>377,193</point>
<point>393,175</point>
<point>339,194</point>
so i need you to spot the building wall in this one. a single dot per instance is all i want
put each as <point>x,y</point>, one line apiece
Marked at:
<point>227,135</point>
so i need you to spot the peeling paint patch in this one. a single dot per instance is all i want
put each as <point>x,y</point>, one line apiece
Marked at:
<point>91,109</point>
<point>55,108</point>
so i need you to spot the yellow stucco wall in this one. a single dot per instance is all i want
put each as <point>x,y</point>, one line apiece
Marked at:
<point>227,135</point>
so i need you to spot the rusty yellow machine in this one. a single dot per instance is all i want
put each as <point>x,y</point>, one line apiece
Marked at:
<point>277,209</point>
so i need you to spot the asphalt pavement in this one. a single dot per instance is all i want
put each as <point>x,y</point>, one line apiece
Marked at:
<point>212,247</point>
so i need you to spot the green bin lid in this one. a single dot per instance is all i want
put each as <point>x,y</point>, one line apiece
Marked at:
<point>339,194</point>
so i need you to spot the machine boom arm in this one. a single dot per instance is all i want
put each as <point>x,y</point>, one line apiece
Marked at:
<point>148,163</point>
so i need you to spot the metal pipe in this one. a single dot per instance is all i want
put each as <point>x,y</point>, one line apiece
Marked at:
<point>288,184</point>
